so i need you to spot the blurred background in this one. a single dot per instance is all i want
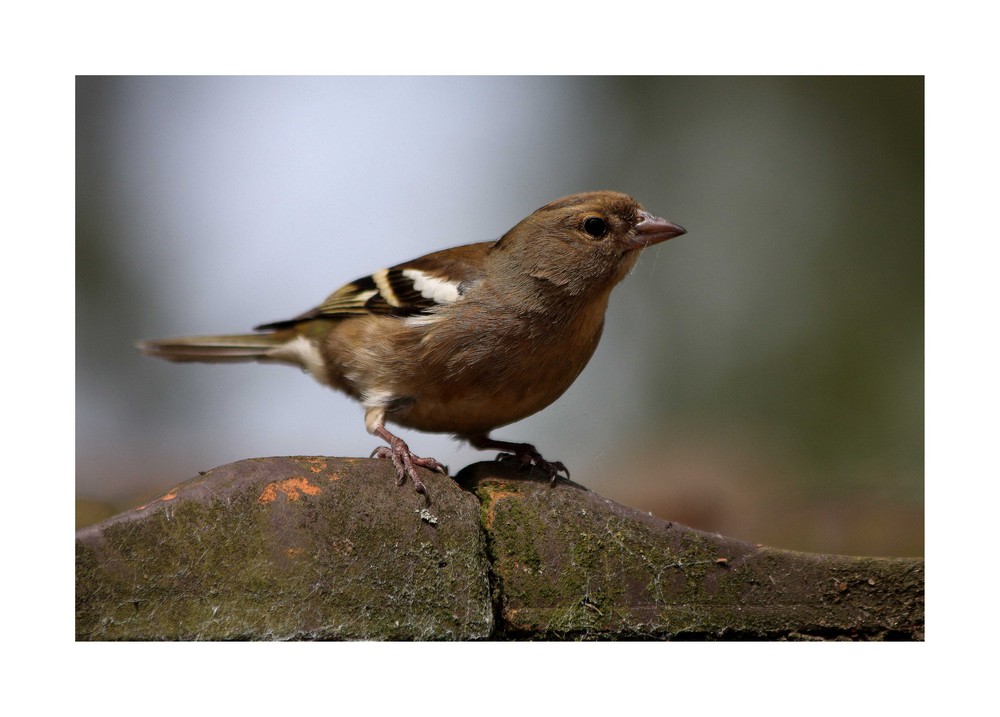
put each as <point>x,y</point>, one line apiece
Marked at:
<point>760,377</point>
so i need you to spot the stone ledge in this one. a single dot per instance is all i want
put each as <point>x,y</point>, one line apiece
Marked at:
<point>331,548</point>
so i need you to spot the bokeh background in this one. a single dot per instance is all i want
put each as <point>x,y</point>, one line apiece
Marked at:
<point>761,376</point>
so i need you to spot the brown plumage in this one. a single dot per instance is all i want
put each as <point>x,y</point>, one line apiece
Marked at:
<point>463,340</point>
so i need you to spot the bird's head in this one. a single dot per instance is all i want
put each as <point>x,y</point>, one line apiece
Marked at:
<point>585,241</point>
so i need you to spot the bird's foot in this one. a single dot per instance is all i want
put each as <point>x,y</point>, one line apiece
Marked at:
<point>524,456</point>
<point>526,460</point>
<point>406,462</point>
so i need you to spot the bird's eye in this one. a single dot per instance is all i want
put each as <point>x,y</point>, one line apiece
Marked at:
<point>596,227</point>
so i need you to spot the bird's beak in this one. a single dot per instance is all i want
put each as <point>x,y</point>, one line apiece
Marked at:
<point>652,230</point>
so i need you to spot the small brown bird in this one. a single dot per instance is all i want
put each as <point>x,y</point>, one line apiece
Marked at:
<point>463,340</point>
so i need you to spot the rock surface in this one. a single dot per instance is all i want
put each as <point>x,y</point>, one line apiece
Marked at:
<point>331,548</point>
<point>288,548</point>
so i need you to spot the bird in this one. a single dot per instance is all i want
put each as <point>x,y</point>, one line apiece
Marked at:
<point>464,340</point>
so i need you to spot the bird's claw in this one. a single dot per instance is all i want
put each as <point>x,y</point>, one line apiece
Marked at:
<point>406,462</point>
<point>528,457</point>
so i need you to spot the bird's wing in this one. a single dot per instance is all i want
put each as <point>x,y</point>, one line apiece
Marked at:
<point>413,287</point>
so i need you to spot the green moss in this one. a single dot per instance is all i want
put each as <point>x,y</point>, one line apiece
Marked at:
<point>336,550</point>
<point>228,565</point>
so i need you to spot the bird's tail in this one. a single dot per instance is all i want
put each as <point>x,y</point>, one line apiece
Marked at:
<point>216,349</point>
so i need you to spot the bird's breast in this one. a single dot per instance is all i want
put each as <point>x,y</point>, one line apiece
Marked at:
<point>478,370</point>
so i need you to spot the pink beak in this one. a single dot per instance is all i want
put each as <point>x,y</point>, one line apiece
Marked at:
<point>652,230</point>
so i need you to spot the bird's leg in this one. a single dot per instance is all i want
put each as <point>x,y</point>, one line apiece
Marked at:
<point>404,460</point>
<point>524,454</point>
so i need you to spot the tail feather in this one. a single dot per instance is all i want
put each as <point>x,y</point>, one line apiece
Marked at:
<point>214,349</point>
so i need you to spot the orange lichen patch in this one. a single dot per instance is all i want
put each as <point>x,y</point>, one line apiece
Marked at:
<point>293,488</point>
<point>316,465</point>
<point>168,496</point>
<point>294,552</point>
<point>496,496</point>
<point>333,476</point>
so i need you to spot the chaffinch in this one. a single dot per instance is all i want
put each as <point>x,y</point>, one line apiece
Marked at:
<point>463,340</point>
